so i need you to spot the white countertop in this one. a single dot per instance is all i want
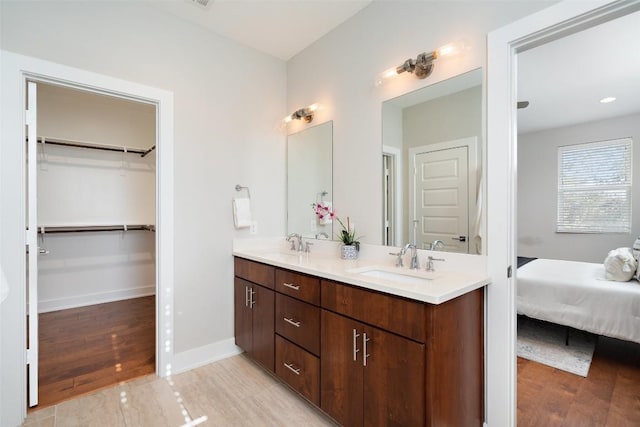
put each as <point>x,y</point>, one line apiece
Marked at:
<point>437,287</point>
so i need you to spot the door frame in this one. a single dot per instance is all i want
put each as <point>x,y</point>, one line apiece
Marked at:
<point>504,44</point>
<point>396,154</point>
<point>471,143</point>
<point>16,71</point>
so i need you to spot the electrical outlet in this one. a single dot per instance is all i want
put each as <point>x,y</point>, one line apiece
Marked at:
<point>314,226</point>
<point>253,229</point>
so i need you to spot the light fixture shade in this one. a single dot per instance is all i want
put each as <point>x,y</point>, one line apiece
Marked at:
<point>454,48</point>
<point>386,76</point>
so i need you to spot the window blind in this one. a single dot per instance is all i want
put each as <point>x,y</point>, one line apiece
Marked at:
<point>594,187</point>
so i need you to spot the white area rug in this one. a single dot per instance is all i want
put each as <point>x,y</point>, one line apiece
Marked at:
<point>544,343</point>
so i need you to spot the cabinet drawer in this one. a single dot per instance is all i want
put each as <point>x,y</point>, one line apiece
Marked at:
<point>299,322</point>
<point>255,272</point>
<point>301,286</point>
<point>298,368</point>
<point>394,314</point>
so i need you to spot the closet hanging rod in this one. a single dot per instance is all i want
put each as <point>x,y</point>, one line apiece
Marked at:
<point>91,146</point>
<point>95,228</point>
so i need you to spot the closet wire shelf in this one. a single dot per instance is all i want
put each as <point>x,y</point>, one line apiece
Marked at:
<point>95,228</point>
<point>78,144</point>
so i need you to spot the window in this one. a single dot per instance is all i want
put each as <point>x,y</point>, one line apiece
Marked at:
<point>594,187</point>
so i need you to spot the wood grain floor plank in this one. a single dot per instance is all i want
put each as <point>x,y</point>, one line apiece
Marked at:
<point>89,348</point>
<point>609,396</point>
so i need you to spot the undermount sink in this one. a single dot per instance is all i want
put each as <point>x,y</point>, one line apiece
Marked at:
<point>281,254</point>
<point>405,277</point>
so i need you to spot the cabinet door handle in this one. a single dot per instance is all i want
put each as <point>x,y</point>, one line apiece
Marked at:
<point>355,345</point>
<point>292,368</point>
<point>246,296</point>
<point>251,301</point>
<point>365,340</point>
<point>292,322</point>
<point>292,286</point>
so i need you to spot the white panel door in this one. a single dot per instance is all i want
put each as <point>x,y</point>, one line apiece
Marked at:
<point>32,242</point>
<point>441,184</point>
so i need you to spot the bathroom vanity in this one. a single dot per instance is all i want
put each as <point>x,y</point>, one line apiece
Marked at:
<point>363,348</point>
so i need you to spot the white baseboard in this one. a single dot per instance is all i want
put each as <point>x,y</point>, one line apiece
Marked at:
<point>45,306</point>
<point>204,355</point>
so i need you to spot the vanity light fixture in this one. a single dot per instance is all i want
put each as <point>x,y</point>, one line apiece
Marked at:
<point>305,114</point>
<point>422,65</point>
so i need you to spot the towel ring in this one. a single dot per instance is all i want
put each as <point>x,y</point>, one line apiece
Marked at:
<point>240,188</point>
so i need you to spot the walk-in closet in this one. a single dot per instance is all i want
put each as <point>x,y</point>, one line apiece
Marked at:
<point>94,175</point>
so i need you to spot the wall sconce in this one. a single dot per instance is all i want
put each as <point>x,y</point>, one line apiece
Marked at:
<point>423,65</point>
<point>305,114</point>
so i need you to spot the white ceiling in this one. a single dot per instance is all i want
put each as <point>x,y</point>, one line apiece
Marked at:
<point>280,28</point>
<point>564,80</point>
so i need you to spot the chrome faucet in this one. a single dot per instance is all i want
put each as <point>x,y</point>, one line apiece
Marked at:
<point>322,234</point>
<point>430,260</point>
<point>434,246</point>
<point>293,238</point>
<point>414,265</point>
<point>398,255</point>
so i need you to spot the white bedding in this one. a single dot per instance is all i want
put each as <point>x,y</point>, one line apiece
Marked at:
<point>576,294</point>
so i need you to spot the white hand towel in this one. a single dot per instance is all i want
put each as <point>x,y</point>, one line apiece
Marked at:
<point>242,212</point>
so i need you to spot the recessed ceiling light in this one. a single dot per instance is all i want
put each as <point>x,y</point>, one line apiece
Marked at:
<point>607,100</point>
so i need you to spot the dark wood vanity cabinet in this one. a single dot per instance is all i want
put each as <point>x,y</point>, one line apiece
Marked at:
<point>298,332</point>
<point>367,358</point>
<point>369,376</point>
<point>254,306</point>
<point>387,360</point>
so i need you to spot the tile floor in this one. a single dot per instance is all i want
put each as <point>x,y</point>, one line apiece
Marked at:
<point>231,392</point>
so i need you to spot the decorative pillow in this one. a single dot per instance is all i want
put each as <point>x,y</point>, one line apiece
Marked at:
<point>620,265</point>
<point>636,255</point>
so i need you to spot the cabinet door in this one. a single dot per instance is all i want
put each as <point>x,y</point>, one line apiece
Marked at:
<point>263,326</point>
<point>242,315</point>
<point>394,380</point>
<point>340,375</point>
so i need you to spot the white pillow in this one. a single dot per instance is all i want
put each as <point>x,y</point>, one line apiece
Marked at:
<point>620,265</point>
<point>636,255</point>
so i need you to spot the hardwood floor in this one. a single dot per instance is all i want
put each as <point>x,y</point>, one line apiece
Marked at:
<point>609,396</point>
<point>89,348</point>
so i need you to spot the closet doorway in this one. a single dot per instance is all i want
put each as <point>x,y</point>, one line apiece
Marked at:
<point>92,200</point>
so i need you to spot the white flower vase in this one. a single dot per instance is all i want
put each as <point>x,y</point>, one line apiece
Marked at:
<point>348,252</point>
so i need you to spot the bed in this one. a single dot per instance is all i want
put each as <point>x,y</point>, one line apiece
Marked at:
<point>576,294</point>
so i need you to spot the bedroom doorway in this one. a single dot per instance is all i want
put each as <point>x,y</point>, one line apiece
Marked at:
<point>504,46</point>
<point>576,352</point>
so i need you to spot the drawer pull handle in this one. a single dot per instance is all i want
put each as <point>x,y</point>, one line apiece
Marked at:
<point>291,286</point>
<point>292,322</point>
<point>365,340</point>
<point>355,345</point>
<point>251,301</point>
<point>292,369</point>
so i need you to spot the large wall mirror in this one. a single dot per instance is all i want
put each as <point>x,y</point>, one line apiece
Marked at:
<point>432,169</point>
<point>310,180</point>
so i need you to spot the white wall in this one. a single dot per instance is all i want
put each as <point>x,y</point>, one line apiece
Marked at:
<point>538,192</point>
<point>339,70</point>
<point>229,101</point>
<point>88,187</point>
